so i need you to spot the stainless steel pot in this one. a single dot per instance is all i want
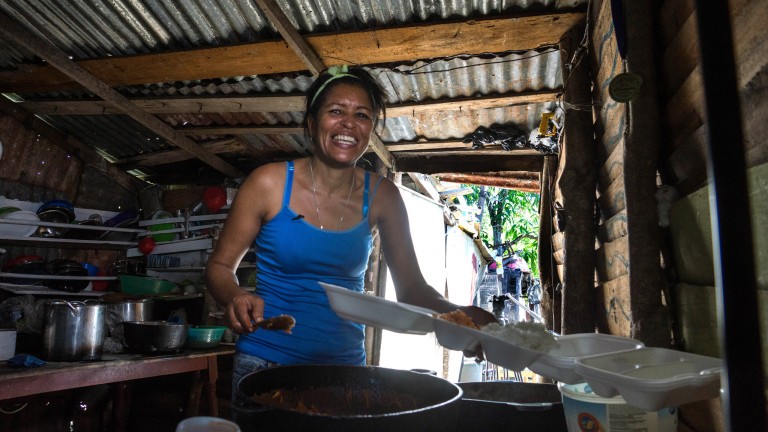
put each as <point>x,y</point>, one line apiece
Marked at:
<point>364,398</point>
<point>73,330</point>
<point>154,337</point>
<point>127,310</point>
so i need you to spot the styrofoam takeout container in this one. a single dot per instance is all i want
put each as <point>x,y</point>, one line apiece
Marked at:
<point>506,353</point>
<point>559,363</point>
<point>652,378</point>
<point>454,336</point>
<point>378,312</point>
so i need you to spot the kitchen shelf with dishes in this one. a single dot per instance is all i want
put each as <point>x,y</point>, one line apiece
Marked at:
<point>53,226</point>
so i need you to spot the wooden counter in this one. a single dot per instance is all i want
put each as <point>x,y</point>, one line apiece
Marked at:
<point>119,370</point>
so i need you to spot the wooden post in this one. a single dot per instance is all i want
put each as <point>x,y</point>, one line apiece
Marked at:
<point>576,186</point>
<point>550,301</point>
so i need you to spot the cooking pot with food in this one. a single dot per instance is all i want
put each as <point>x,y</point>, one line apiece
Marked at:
<point>345,398</point>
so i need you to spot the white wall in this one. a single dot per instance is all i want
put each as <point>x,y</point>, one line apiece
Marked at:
<point>445,260</point>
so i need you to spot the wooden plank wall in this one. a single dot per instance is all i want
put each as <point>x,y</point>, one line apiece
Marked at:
<point>683,164</point>
<point>681,96</point>
<point>33,169</point>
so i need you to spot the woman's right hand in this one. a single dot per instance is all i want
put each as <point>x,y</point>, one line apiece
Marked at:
<point>243,311</point>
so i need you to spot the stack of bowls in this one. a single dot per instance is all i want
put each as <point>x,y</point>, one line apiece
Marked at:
<point>66,267</point>
<point>126,219</point>
<point>55,211</point>
<point>17,230</point>
<point>32,265</point>
<point>86,234</point>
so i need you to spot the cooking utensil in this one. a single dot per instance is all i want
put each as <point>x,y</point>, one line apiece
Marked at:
<point>73,330</point>
<point>280,322</point>
<point>368,398</point>
<point>151,337</point>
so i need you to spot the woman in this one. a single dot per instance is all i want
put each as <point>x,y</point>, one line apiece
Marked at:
<point>310,220</point>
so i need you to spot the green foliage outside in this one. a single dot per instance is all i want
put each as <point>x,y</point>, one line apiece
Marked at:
<point>508,215</point>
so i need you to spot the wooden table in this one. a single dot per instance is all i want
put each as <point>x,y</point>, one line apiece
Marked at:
<point>119,370</point>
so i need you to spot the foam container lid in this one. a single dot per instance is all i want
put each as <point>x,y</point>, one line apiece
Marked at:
<point>559,363</point>
<point>652,378</point>
<point>378,312</point>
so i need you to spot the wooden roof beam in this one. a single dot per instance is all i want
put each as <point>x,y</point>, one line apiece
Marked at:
<point>250,104</point>
<point>392,45</point>
<point>9,28</point>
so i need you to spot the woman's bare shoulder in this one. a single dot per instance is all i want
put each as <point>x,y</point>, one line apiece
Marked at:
<point>266,176</point>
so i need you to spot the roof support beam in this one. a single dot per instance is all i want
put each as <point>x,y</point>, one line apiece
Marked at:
<point>292,37</point>
<point>273,104</point>
<point>376,46</point>
<point>9,28</point>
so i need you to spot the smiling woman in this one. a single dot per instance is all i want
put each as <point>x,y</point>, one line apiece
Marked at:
<point>309,221</point>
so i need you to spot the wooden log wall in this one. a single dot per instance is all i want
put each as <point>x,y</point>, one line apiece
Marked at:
<point>573,241</point>
<point>630,299</point>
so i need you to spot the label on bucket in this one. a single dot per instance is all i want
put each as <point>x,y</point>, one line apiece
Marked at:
<point>584,412</point>
<point>589,417</point>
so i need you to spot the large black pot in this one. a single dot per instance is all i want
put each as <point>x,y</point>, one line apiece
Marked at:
<point>430,401</point>
<point>510,406</point>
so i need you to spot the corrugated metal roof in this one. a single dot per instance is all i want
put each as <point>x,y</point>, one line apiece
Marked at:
<point>89,29</point>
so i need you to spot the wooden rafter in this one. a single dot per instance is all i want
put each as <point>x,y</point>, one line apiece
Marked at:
<point>273,104</point>
<point>291,35</point>
<point>382,45</point>
<point>55,57</point>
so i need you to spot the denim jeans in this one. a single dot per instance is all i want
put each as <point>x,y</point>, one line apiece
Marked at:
<point>243,365</point>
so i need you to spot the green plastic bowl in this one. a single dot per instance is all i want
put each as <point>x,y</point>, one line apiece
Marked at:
<point>200,337</point>
<point>143,285</point>
<point>166,237</point>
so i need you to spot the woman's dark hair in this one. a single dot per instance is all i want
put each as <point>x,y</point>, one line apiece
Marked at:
<point>336,75</point>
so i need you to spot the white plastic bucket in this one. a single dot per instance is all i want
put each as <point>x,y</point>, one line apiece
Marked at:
<point>586,412</point>
<point>207,424</point>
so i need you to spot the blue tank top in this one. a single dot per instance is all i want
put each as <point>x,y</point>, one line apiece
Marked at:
<point>291,257</point>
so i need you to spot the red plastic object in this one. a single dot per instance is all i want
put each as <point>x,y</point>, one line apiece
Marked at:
<point>100,285</point>
<point>147,245</point>
<point>214,198</point>
<point>22,259</point>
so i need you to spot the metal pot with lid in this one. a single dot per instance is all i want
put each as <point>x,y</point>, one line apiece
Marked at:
<point>74,330</point>
<point>120,310</point>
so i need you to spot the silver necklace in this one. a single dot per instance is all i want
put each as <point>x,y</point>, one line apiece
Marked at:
<point>314,197</point>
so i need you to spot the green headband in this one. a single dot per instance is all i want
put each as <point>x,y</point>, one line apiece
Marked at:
<point>336,72</point>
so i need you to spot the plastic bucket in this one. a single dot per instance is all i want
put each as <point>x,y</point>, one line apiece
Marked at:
<point>586,412</point>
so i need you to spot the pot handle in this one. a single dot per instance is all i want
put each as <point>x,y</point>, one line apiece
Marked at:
<point>71,305</point>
